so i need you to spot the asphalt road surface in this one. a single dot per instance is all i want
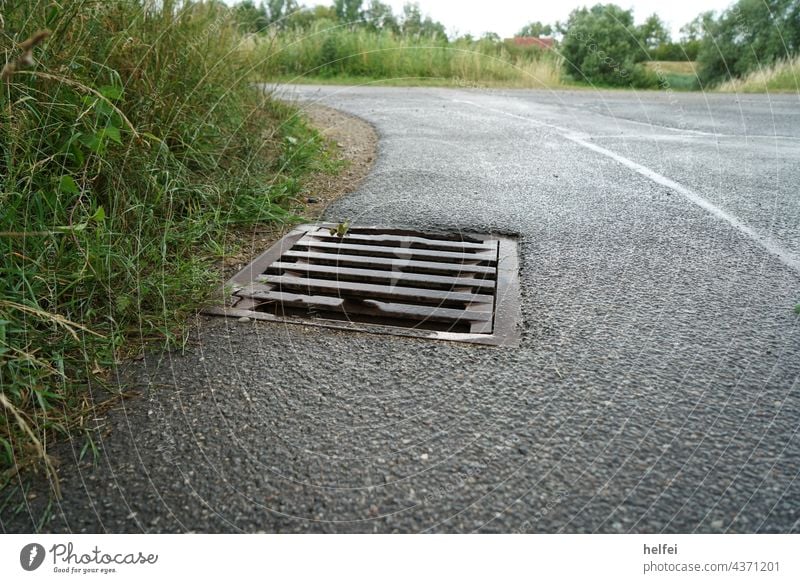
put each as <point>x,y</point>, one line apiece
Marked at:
<point>655,388</point>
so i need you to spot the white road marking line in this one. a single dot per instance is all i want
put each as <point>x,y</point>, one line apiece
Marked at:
<point>697,133</point>
<point>684,137</point>
<point>785,256</point>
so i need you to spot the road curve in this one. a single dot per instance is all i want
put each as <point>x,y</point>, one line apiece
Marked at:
<point>655,388</point>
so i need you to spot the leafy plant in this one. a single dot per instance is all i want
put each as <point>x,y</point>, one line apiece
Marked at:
<point>750,35</point>
<point>340,230</point>
<point>601,45</point>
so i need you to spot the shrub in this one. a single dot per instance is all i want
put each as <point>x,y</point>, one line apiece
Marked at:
<point>643,78</point>
<point>601,45</point>
<point>675,52</point>
<point>752,34</point>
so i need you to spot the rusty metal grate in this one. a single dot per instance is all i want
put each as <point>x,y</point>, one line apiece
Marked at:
<point>447,286</point>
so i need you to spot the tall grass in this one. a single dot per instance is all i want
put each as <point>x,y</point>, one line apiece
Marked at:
<point>675,75</point>
<point>780,76</point>
<point>331,52</point>
<point>127,151</point>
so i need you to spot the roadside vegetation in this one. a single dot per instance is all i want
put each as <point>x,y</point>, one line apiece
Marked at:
<point>132,143</point>
<point>780,76</point>
<point>680,75</point>
<point>334,53</point>
<point>355,41</point>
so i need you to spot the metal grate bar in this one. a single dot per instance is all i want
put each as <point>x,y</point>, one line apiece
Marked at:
<point>406,241</point>
<point>409,265</point>
<point>398,252</point>
<point>369,290</point>
<point>371,307</point>
<point>375,275</point>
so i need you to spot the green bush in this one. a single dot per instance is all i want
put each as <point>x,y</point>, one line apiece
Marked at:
<point>643,78</point>
<point>601,45</point>
<point>750,35</point>
<point>686,51</point>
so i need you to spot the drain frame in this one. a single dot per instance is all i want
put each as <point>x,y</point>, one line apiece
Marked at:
<point>506,320</point>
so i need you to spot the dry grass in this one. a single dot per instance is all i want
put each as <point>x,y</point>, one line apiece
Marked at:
<point>677,67</point>
<point>783,76</point>
<point>340,56</point>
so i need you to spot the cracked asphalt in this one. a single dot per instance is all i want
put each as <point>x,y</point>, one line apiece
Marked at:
<point>655,388</point>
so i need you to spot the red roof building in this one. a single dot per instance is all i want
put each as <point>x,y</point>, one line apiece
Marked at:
<point>541,42</point>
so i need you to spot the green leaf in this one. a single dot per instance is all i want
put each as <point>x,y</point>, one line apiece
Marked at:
<point>93,142</point>
<point>42,400</point>
<point>123,302</point>
<point>112,133</point>
<point>67,185</point>
<point>8,449</point>
<point>48,394</point>
<point>111,92</point>
<point>99,215</point>
<point>104,109</point>
<point>52,14</point>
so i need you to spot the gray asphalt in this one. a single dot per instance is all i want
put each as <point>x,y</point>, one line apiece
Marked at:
<point>655,388</point>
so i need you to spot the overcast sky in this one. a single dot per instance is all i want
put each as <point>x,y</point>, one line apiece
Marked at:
<point>505,17</point>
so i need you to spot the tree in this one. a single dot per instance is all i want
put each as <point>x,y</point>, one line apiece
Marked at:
<point>695,30</point>
<point>654,32</point>
<point>749,35</point>
<point>536,29</point>
<point>349,11</point>
<point>602,45</point>
<point>672,52</point>
<point>380,17</point>
<point>280,11</point>
<point>412,19</point>
<point>251,18</point>
<point>414,25</point>
<point>433,29</point>
<point>258,19</point>
<point>306,18</point>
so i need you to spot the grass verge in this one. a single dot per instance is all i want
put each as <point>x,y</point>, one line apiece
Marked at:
<point>131,145</point>
<point>675,75</point>
<point>338,55</point>
<point>783,76</point>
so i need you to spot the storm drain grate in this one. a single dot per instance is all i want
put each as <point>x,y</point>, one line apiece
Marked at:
<point>447,286</point>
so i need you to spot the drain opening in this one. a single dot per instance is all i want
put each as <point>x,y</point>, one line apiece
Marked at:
<point>442,285</point>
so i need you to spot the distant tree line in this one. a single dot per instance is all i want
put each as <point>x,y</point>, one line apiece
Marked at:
<point>374,16</point>
<point>601,44</point>
<point>749,35</point>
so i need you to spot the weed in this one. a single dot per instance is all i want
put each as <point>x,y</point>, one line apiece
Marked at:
<point>780,76</point>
